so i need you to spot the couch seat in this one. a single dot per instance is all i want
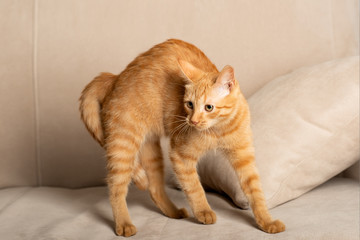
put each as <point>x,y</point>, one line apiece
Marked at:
<point>330,211</point>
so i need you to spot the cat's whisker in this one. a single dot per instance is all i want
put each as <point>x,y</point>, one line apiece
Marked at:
<point>174,130</point>
<point>189,129</point>
<point>181,131</point>
<point>175,122</point>
<point>179,120</point>
<point>178,128</point>
<point>178,116</point>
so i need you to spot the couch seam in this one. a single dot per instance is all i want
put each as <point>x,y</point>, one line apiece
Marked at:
<point>36,94</point>
<point>332,29</point>
<point>15,198</point>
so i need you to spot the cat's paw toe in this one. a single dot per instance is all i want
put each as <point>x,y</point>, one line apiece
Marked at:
<point>182,213</point>
<point>206,217</point>
<point>179,213</point>
<point>126,230</point>
<point>274,227</point>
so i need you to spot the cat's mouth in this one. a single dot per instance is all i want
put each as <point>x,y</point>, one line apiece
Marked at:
<point>199,127</point>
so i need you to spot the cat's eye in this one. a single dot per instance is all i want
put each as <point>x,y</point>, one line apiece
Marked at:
<point>209,107</point>
<point>189,105</point>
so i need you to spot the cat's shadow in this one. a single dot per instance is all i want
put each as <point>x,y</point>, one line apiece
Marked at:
<point>228,207</point>
<point>217,201</point>
<point>136,197</point>
<point>104,218</point>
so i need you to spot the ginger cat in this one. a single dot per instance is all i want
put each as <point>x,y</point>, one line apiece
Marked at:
<point>171,90</point>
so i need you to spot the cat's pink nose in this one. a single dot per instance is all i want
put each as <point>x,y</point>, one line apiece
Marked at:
<point>194,122</point>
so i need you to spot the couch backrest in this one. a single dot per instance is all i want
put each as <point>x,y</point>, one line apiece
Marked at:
<point>52,49</point>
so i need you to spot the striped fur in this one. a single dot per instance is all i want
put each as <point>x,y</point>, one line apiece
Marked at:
<point>171,90</point>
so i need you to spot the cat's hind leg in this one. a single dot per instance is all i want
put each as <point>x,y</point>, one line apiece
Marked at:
<point>122,146</point>
<point>152,161</point>
<point>139,176</point>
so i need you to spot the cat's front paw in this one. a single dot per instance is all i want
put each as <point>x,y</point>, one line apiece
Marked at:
<point>206,216</point>
<point>125,229</point>
<point>274,227</point>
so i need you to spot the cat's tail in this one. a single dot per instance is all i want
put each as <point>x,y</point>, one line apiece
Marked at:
<point>91,100</point>
<point>92,97</point>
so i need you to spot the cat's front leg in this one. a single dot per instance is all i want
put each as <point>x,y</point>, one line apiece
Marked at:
<point>242,160</point>
<point>184,165</point>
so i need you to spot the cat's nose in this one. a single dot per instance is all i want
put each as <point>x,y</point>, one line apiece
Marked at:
<point>194,122</point>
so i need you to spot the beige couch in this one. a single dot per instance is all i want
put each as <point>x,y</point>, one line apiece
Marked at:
<point>52,172</point>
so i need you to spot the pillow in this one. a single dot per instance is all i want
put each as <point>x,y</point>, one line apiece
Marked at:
<point>305,129</point>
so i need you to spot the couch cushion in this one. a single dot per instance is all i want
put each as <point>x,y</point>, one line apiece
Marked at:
<point>306,130</point>
<point>328,212</point>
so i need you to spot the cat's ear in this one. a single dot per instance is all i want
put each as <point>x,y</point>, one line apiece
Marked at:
<point>226,79</point>
<point>190,72</point>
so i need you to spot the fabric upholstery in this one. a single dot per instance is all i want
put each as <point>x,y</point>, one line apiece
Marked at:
<point>330,212</point>
<point>17,97</point>
<point>52,49</point>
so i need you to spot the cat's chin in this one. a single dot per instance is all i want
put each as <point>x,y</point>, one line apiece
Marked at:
<point>200,129</point>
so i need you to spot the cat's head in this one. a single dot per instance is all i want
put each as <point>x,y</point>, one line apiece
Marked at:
<point>209,98</point>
